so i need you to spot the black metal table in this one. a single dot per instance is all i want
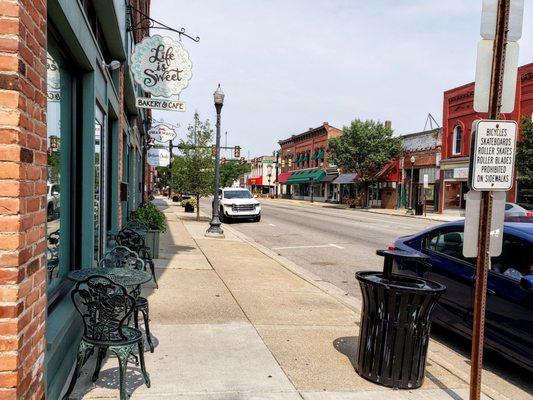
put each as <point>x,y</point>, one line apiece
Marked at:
<point>122,276</point>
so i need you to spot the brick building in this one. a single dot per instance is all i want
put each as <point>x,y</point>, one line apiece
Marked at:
<point>70,139</point>
<point>262,177</point>
<point>304,164</point>
<point>458,115</point>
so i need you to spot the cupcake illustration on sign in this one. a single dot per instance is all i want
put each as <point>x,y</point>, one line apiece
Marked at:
<point>161,66</point>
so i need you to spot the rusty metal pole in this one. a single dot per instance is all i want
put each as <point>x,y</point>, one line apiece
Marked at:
<point>483,255</point>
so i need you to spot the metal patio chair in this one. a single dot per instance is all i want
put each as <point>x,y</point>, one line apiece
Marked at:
<point>134,241</point>
<point>104,307</point>
<point>123,257</point>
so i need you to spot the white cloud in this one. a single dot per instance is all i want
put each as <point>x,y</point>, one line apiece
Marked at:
<point>289,65</point>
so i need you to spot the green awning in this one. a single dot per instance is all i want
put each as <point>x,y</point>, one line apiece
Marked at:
<point>315,156</point>
<point>306,176</point>
<point>305,157</point>
<point>320,154</point>
<point>297,159</point>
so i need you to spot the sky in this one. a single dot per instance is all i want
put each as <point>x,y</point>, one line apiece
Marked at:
<point>289,65</point>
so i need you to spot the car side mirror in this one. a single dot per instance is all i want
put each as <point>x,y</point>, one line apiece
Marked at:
<point>526,283</point>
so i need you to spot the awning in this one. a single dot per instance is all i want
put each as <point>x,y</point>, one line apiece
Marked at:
<point>329,178</point>
<point>389,173</point>
<point>320,154</point>
<point>306,176</point>
<point>284,177</point>
<point>344,179</point>
<point>255,181</point>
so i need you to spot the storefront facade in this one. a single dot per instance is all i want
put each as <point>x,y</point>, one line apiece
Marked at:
<point>262,178</point>
<point>305,154</point>
<point>74,153</point>
<point>458,116</point>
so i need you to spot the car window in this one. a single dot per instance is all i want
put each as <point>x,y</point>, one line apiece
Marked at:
<point>508,206</point>
<point>448,242</point>
<point>516,259</point>
<point>237,194</point>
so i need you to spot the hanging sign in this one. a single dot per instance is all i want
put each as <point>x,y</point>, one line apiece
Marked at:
<point>492,156</point>
<point>162,133</point>
<point>158,157</point>
<point>161,66</point>
<point>160,104</point>
<point>53,81</point>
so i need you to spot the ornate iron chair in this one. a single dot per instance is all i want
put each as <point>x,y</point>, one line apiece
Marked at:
<point>123,257</point>
<point>104,307</point>
<point>134,241</point>
<point>137,226</point>
<point>52,253</point>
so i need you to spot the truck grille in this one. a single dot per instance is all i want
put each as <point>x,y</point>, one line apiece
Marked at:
<point>243,207</point>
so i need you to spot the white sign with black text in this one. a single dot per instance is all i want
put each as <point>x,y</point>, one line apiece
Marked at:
<point>492,156</point>
<point>158,157</point>
<point>160,104</point>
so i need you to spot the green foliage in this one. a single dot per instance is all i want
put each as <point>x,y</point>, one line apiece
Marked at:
<point>149,215</point>
<point>163,173</point>
<point>365,148</point>
<point>524,154</point>
<point>230,172</point>
<point>54,165</point>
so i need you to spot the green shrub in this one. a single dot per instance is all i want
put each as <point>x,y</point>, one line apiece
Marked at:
<point>149,215</point>
<point>190,201</point>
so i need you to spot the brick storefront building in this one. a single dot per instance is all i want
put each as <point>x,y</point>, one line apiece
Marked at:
<point>458,115</point>
<point>304,164</point>
<point>70,138</point>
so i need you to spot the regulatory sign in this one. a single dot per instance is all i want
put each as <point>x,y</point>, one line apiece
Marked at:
<point>485,52</point>
<point>158,157</point>
<point>426,181</point>
<point>161,66</point>
<point>492,156</point>
<point>489,12</point>
<point>162,133</point>
<point>471,226</point>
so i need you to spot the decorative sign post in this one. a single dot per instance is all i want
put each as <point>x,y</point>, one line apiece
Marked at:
<point>158,157</point>
<point>162,133</point>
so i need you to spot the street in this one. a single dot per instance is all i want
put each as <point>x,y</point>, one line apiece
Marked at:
<point>331,243</point>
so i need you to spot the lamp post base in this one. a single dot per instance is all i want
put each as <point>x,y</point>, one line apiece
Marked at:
<point>214,230</point>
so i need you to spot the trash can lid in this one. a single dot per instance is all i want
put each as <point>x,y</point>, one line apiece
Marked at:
<point>400,282</point>
<point>402,254</point>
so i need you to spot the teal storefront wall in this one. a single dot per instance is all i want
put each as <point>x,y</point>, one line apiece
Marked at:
<point>71,30</point>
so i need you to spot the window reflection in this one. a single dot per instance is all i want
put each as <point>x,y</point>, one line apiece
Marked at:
<point>53,193</point>
<point>97,192</point>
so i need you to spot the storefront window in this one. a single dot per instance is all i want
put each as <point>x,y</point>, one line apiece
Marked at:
<point>97,182</point>
<point>53,181</point>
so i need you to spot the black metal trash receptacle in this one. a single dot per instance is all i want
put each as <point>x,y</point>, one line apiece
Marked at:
<point>395,324</point>
<point>419,208</point>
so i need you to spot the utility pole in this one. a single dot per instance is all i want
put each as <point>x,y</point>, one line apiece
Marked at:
<point>170,146</point>
<point>483,255</point>
<point>277,167</point>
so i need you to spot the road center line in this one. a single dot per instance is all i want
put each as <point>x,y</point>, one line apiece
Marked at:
<point>318,246</point>
<point>336,246</point>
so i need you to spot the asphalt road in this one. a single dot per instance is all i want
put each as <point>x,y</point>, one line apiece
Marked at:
<point>332,243</point>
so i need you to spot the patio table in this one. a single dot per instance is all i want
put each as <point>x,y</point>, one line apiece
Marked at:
<point>122,276</point>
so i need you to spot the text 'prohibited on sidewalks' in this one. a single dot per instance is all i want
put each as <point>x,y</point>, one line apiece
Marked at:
<point>493,154</point>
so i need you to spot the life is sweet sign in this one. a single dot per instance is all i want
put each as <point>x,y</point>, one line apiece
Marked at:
<point>493,155</point>
<point>161,65</point>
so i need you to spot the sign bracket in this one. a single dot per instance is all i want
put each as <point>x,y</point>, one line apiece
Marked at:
<point>147,23</point>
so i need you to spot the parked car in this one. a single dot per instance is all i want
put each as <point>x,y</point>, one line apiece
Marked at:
<point>514,210</point>
<point>238,203</point>
<point>509,312</point>
<point>52,199</point>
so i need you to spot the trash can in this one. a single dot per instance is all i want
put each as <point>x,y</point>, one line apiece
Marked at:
<point>395,323</point>
<point>419,208</point>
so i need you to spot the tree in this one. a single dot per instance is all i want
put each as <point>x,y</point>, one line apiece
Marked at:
<point>364,148</point>
<point>524,153</point>
<point>230,172</point>
<point>193,169</point>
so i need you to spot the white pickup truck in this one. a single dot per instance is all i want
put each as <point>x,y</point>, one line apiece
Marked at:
<point>238,203</point>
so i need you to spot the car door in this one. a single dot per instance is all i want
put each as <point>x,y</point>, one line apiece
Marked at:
<point>509,312</point>
<point>448,266</point>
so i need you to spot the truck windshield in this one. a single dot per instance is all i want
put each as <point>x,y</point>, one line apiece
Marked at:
<point>237,194</point>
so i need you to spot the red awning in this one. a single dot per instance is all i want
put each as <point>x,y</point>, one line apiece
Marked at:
<point>389,173</point>
<point>284,176</point>
<point>255,181</point>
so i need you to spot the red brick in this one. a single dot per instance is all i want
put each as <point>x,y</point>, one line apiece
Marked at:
<point>10,170</point>
<point>8,380</point>
<point>9,136</point>
<point>8,394</point>
<point>12,242</point>
<point>8,362</point>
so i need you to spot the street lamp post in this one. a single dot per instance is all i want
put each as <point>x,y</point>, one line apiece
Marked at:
<point>269,174</point>
<point>410,210</point>
<point>276,180</point>
<point>311,189</point>
<point>214,225</point>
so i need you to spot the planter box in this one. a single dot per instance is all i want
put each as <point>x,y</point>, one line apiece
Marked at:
<point>189,209</point>
<point>151,240</point>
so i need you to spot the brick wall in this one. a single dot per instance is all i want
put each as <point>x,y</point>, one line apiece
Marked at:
<point>22,198</point>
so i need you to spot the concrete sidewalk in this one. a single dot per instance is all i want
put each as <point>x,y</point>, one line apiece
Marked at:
<point>231,321</point>
<point>383,211</point>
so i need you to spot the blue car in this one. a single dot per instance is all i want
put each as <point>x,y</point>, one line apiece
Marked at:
<point>509,313</point>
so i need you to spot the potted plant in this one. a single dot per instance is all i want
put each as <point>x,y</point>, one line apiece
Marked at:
<point>189,205</point>
<point>154,220</point>
<point>176,197</point>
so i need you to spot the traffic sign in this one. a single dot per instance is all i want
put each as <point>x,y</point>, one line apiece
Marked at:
<point>492,156</point>
<point>471,229</point>
<point>485,53</point>
<point>489,12</point>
